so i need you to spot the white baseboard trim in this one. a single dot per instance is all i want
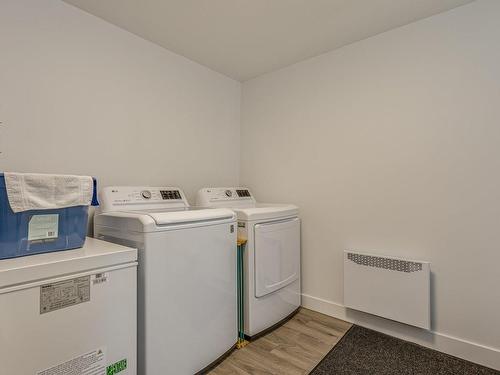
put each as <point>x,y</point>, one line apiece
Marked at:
<point>471,351</point>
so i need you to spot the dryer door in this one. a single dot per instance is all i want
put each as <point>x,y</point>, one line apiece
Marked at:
<point>277,255</point>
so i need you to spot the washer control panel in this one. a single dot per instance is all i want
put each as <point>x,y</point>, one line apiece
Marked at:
<point>243,193</point>
<point>116,197</point>
<point>170,194</point>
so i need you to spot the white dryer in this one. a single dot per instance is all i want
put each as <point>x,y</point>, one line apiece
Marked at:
<point>272,256</point>
<point>186,277</point>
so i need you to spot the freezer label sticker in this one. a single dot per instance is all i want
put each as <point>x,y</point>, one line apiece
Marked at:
<point>117,367</point>
<point>43,227</point>
<point>99,278</point>
<point>61,294</point>
<point>91,363</point>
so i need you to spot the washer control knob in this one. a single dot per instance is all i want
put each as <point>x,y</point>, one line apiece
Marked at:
<point>146,194</point>
<point>228,193</point>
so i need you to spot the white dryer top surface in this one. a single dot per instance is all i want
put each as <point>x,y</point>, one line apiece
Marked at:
<point>241,201</point>
<point>94,254</point>
<point>263,211</point>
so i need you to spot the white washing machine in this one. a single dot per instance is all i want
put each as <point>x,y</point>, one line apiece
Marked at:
<point>272,256</point>
<point>187,317</point>
<point>70,312</point>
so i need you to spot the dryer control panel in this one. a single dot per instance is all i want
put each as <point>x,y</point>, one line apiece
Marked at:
<point>233,196</point>
<point>119,198</point>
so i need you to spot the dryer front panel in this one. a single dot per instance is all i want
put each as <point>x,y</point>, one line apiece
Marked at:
<point>277,255</point>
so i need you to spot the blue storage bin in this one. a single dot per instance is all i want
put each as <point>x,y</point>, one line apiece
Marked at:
<point>14,228</point>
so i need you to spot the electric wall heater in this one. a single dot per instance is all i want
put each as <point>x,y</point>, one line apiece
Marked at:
<point>392,288</point>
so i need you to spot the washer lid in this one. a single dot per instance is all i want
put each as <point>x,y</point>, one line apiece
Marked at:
<point>146,221</point>
<point>94,255</point>
<point>188,216</point>
<point>263,211</point>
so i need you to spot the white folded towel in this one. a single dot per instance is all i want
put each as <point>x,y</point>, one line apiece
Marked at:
<point>33,191</point>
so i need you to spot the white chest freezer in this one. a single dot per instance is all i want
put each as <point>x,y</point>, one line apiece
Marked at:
<point>70,312</point>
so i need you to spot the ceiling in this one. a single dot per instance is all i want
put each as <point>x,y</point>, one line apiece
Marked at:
<point>246,38</point>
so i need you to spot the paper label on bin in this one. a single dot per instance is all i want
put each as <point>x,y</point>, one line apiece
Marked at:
<point>99,278</point>
<point>61,294</point>
<point>91,363</point>
<point>43,227</point>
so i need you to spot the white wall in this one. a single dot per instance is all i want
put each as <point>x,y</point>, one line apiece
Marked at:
<point>388,145</point>
<point>79,95</point>
<point>392,145</point>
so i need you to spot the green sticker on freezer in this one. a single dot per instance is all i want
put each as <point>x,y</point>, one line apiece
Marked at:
<point>116,367</point>
<point>43,227</point>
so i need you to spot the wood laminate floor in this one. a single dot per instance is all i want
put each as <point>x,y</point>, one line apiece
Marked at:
<point>295,348</point>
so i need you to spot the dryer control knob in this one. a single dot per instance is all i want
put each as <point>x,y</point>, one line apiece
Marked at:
<point>229,193</point>
<point>146,194</point>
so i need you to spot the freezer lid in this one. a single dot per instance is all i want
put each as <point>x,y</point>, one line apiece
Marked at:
<point>190,216</point>
<point>95,254</point>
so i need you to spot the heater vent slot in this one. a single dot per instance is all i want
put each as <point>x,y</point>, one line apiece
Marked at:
<point>385,263</point>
